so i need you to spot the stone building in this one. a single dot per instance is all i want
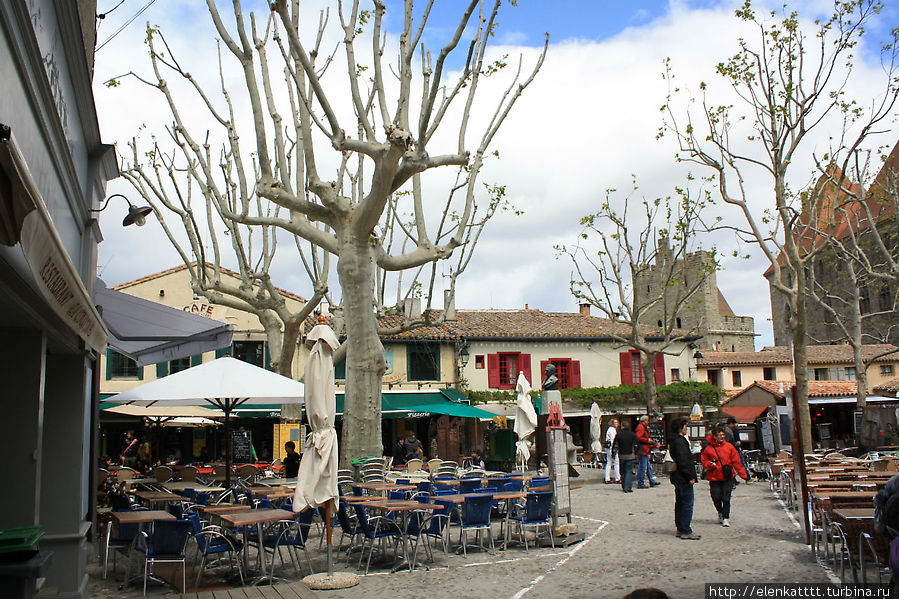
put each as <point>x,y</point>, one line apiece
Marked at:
<point>876,297</point>
<point>706,313</point>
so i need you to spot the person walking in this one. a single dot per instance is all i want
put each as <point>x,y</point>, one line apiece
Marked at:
<point>129,450</point>
<point>683,478</point>
<point>612,472</point>
<point>732,433</point>
<point>646,443</point>
<point>721,462</point>
<point>624,446</point>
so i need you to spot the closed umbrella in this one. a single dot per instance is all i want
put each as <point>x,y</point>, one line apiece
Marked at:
<point>595,429</point>
<point>317,478</point>
<point>525,419</point>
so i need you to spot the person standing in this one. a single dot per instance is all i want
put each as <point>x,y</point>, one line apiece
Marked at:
<point>291,461</point>
<point>612,472</point>
<point>129,450</point>
<point>646,443</point>
<point>734,438</point>
<point>624,447</point>
<point>722,462</point>
<point>399,452</point>
<point>683,479</point>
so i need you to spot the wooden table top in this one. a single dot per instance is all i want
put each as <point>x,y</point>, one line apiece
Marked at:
<point>854,513</point>
<point>199,487</point>
<point>394,505</point>
<point>460,497</point>
<point>385,487</point>
<point>141,516</point>
<point>275,492</point>
<point>247,517</point>
<point>156,496</point>
<point>223,509</point>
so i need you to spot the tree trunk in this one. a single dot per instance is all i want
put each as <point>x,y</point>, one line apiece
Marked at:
<point>365,355</point>
<point>649,382</point>
<point>285,367</point>
<point>800,363</point>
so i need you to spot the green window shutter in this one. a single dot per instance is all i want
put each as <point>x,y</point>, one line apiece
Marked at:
<point>266,359</point>
<point>221,353</point>
<point>109,364</point>
<point>409,373</point>
<point>436,351</point>
<point>196,360</point>
<point>162,369</point>
<point>140,373</point>
<point>340,370</point>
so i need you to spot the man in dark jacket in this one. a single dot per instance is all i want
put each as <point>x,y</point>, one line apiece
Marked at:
<point>683,479</point>
<point>399,452</point>
<point>625,445</point>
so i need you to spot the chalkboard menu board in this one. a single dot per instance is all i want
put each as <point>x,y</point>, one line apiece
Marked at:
<point>240,446</point>
<point>657,432</point>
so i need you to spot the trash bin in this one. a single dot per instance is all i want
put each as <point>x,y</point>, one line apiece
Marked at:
<point>21,565</point>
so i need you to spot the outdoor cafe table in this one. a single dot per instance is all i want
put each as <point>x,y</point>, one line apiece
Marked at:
<point>244,518</point>
<point>381,487</point>
<point>858,520</point>
<point>275,482</point>
<point>198,487</point>
<point>508,496</point>
<point>275,493</point>
<point>152,497</point>
<point>141,516</point>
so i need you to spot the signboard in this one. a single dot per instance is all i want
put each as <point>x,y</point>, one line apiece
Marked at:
<point>206,310</point>
<point>768,437</point>
<point>657,432</point>
<point>240,446</point>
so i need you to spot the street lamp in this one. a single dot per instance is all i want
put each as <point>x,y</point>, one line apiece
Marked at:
<point>464,356</point>
<point>137,215</point>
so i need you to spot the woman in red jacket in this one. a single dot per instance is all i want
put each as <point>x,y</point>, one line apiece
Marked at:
<point>721,463</point>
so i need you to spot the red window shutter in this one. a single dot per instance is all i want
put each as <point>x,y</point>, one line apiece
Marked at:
<point>543,364</point>
<point>660,369</point>
<point>493,371</point>
<point>574,373</point>
<point>524,365</point>
<point>624,358</point>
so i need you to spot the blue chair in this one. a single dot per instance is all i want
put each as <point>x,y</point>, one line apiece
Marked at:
<point>190,494</point>
<point>175,509</point>
<point>424,486</point>
<point>476,517</point>
<point>542,481</point>
<point>397,495</point>
<point>468,485</point>
<point>213,542</point>
<point>202,498</point>
<point>357,490</point>
<point>122,539</point>
<point>439,492</point>
<point>166,544</point>
<point>443,483</point>
<point>291,534</point>
<point>513,485</point>
<point>403,481</point>
<point>373,529</point>
<point>348,527</point>
<point>535,514</point>
<point>432,527</point>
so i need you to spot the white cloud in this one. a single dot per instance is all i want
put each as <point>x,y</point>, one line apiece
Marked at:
<point>586,124</point>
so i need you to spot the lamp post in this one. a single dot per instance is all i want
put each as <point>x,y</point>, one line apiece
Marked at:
<point>137,215</point>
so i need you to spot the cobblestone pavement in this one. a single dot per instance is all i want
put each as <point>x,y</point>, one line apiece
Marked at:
<point>629,544</point>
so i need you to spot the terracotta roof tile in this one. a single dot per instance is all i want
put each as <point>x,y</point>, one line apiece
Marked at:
<point>168,271</point>
<point>815,389</point>
<point>888,387</point>
<point>817,354</point>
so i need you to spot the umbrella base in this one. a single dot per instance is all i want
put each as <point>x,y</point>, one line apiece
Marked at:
<point>338,580</point>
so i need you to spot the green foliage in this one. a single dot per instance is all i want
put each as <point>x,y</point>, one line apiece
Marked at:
<point>623,396</point>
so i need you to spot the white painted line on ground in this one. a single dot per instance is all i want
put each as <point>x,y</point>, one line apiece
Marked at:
<point>524,590</point>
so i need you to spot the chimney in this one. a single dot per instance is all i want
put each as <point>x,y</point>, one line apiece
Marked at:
<point>412,308</point>
<point>525,306</point>
<point>584,309</point>
<point>449,304</point>
<point>325,308</point>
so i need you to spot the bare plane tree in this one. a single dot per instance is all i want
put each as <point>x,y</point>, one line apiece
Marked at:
<point>633,254</point>
<point>372,127</point>
<point>789,84</point>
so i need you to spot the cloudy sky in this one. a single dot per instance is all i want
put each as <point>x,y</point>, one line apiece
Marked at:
<point>587,124</point>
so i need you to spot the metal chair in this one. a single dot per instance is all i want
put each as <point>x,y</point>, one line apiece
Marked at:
<point>433,527</point>
<point>373,529</point>
<point>166,544</point>
<point>122,540</point>
<point>163,474</point>
<point>212,541</point>
<point>476,517</point>
<point>866,547</point>
<point>534,515</point>
<point>188,474</point>
<point>291,534</point>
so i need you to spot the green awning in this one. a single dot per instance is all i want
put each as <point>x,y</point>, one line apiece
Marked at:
<point>418,404</point>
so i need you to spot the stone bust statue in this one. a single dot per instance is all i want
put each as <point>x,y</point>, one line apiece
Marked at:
<point>551,382</point>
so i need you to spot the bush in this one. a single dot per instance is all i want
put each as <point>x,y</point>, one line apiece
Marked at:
<point>623,396</point>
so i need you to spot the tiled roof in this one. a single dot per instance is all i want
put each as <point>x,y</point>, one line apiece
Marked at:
<point>817,354</point>
<point>891,387</point>
<point>815,389</point>
<point>168,271</point>
<point>509,324</point>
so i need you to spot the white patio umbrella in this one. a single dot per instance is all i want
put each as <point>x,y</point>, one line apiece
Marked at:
<point>525,420</point>
<point>158,416</point>
<point>225,383</point>
<point>317,478</point>
<point>595,429</point>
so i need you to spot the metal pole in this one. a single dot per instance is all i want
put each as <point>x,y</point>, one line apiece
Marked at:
<point>328,527</point>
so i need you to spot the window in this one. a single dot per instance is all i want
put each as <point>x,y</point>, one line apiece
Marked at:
<point>714,376</point>
<point>886,370</point>
<point>769,373</point>
<point>660,323</point>
<point>479,362</point>
<point>252,352</point>
<point>119,366</point>
<point>503,369</point>
<point>864,300</point>
<point>423,362</point>
<point>675,375</point>
<point>737,378</point>
<point>632,370</point>
<point>849,373</point>
<point>567,370</point>
<point>179,365</point>
<point>679,323</point>
<point>821,374</point>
